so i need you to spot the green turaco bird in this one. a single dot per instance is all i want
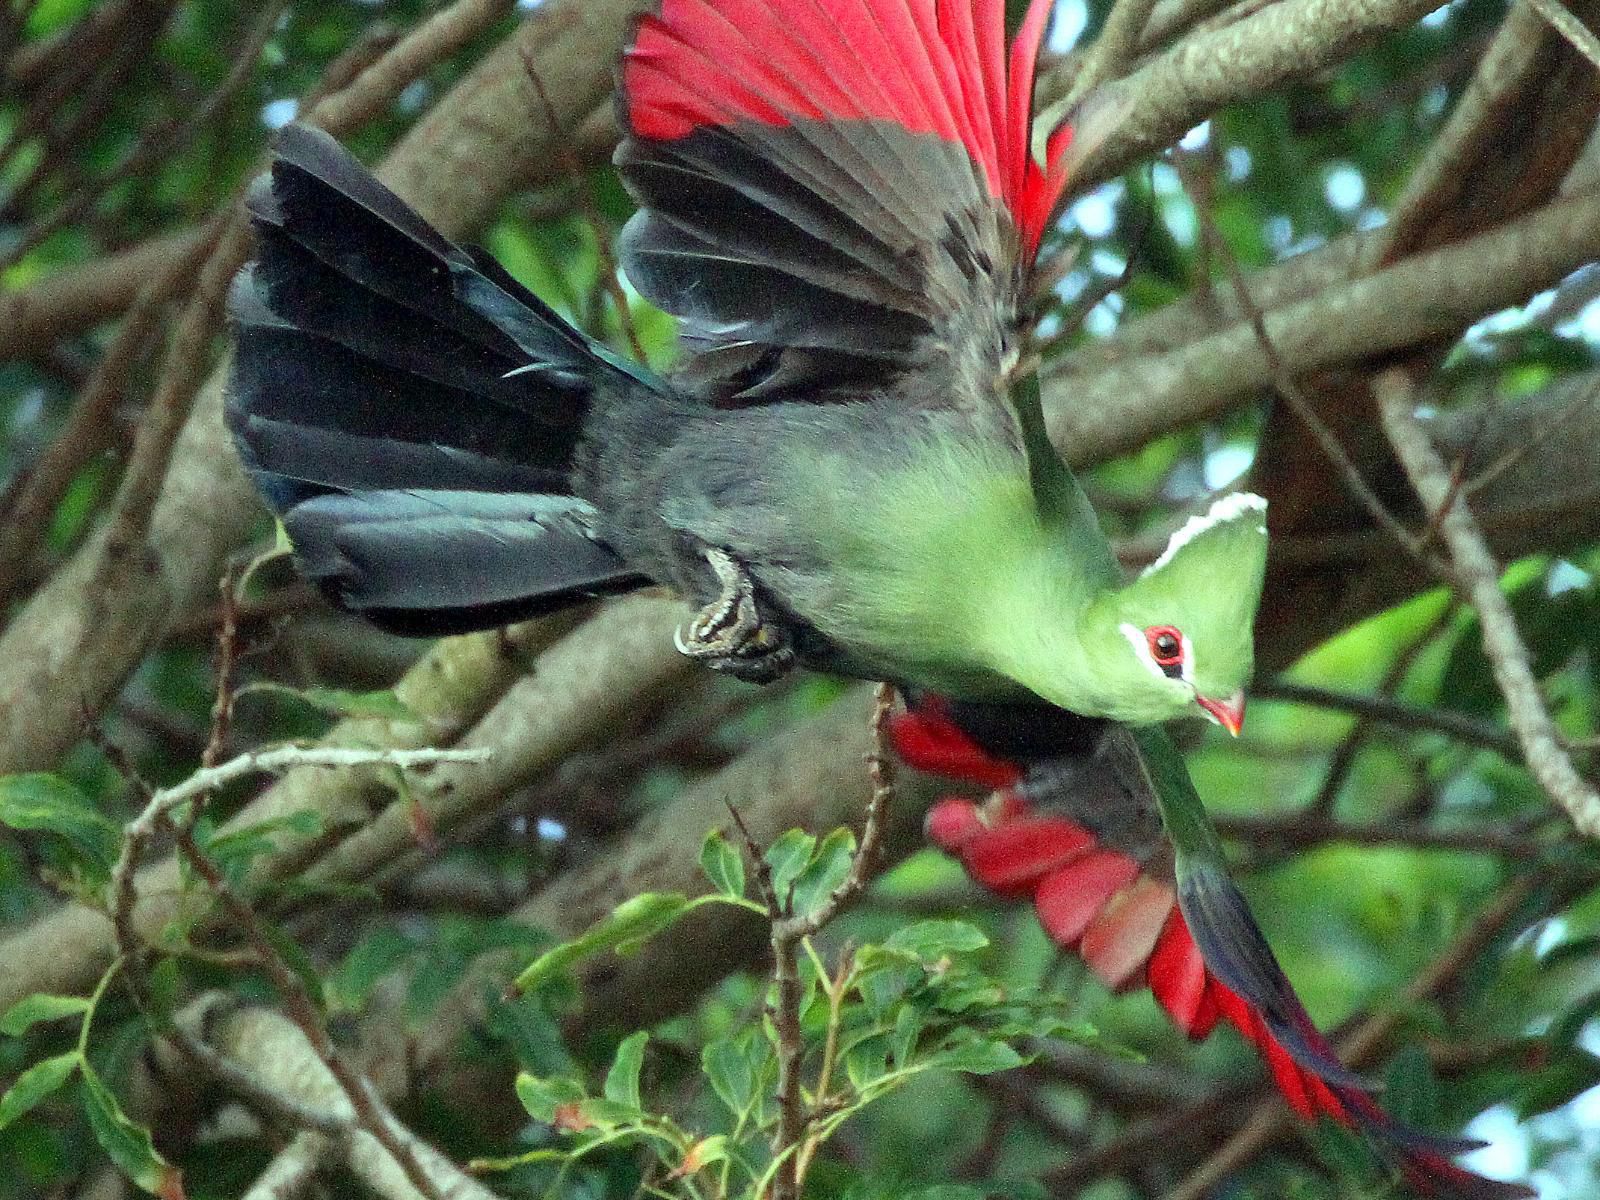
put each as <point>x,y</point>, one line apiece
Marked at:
<point>840,201</point>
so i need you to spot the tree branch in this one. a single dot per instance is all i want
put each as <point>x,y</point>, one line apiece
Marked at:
<point>1478,576</point>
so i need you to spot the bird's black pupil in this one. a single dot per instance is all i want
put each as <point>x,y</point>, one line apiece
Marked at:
<point>1167,646</point>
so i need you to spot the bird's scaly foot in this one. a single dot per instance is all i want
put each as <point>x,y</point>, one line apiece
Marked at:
<point>731,634</point>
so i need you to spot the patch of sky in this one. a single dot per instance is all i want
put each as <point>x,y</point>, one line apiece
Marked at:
<point>275,114</point>
<point>1181,219</point>
<point>1280,233</point>
<point>1237,159</point>
<point>1434,100</point>
<point>1344,187</point>
<point>1071,19</point>
<point>1197,138</point>
<point>1440,16</point>
<point>1507,1154</point>
<point>1227,463</point>
<point>551,830</point>
<point>1565,576</point>
<point>1509,319</point>
<point>1102,320</point>
<point>1586,324</point>
<point>1108,263</point>
<point>414,98</point>
<point>1095,214</point>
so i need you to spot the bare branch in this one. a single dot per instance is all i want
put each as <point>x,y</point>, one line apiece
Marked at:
<point>1575,31</point>
<point>1479,578</point>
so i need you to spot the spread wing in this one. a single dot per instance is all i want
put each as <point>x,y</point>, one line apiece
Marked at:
<point>1074,828</point>
<point>838,197</point>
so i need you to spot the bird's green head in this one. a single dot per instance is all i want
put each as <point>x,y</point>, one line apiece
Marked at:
<point>1179,635</point>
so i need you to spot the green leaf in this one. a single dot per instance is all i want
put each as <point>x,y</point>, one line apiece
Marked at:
<point>1411,1092</point>
<point>27,1012</point>
<point>1563,1077</point>
<point>622,1080</point>
<point>786,858</point>
<point>826,871</point>
<point>541,1097</point>
<point>978,1058</point>
<point>630,922</point>
<point>35,1084</point>
<point>933,940</point>
<point>341,703</point>
<point>730,1069</point>
<point>723,865</point>
<point>381,952</point>
<point>125,1142</point>
<point>50,803</point>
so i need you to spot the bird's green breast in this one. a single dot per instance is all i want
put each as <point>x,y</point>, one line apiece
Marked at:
<point>941,565</point>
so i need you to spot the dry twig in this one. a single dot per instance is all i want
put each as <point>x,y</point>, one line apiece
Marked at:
<point>1478,577</point>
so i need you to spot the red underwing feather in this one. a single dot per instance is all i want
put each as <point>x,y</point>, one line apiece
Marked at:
<point>952,823</point>
<point>935,67</point>
<point>1177,977</point>
<point>1098,901</point>
<point>1067,900</point>
<point>929,741</point>
<point>1119,941</point>
<point>1017,857</point>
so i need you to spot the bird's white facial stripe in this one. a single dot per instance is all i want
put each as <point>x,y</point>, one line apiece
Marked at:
<point>1141,650</point>
<point>1229,508</point>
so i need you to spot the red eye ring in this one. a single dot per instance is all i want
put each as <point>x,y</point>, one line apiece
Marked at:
<point>1166,645</point>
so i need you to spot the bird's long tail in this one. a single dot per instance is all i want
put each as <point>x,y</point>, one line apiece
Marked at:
<point>409,409</point>
<point>1103,887</point>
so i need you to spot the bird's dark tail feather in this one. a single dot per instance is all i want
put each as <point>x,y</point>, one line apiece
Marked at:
<point>409,409</point>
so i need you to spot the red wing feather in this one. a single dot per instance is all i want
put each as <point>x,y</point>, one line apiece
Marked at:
<point>934,67</point>
<point>1128,927</point>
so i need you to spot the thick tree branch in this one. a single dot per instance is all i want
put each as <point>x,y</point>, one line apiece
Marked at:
<point>1096,413</point>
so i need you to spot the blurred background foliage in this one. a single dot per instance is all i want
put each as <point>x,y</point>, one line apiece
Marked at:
<point>152,135</point>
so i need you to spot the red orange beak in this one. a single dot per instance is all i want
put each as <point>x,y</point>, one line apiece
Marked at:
<point>1228,713</point>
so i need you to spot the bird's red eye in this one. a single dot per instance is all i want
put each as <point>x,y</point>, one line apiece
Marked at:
<point>1166,645</point>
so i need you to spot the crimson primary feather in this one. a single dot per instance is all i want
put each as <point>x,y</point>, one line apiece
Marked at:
<point>918,66</point>
<point>1099,874</point>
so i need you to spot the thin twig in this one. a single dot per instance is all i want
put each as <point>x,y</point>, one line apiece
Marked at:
<point>789,931</point>
<point>1395,713</point>
<point>589,207</point>
<point>1349,748</point>
<point>371,1114</point>
<point>1479,577</point>
<point>1283,379</point>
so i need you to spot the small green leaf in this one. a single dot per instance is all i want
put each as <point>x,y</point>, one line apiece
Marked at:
<point>341,703</point>
<point>35,1084</point>
<point>622,1080</point>
<point>126,1143</point>
<point>978,1058</point>
<point>728,1067</point>
<point>610,1114</point>
<point>50,803</point>
<point>378,954</point>
<point>541,1097</point>
<point>787,857</point>
<point>825,872</point>
<point>932,940</point>
<point>723,865</point>
<point>29,1011</point>
<point>630,922</point>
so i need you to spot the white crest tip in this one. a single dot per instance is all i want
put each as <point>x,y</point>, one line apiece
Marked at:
<point>1224,509</point>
